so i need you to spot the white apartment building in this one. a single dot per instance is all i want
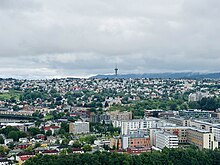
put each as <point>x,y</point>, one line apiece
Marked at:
<point>197,96</point>
<point>216,132</point>
<point>127,127</point>
<point>164,139</point>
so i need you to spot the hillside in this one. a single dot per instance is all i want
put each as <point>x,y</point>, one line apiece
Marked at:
<point>188,75</point>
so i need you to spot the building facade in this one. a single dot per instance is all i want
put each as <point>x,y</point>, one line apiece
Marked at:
<point>79,127</point>
<point>117,115</point>
<point>201,138</point>
<point>180,132</point>
<point>164,139</point>
<point>127,127</point>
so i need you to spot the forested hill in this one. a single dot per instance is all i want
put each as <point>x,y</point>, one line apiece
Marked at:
<point>188,75</point>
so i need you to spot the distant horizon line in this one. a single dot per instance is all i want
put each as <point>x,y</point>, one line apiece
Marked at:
<point>107,74</point>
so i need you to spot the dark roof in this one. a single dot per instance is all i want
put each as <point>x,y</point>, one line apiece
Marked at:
<point>26,153</point>
<point>49,151</point>
<point>77,149</point>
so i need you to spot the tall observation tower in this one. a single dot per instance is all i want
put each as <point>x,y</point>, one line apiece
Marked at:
<point>116,70</point>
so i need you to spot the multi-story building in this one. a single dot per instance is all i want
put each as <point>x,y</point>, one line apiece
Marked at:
<point>117,115</point>
<point>180,132</point>
<point>21,126</point>
<point>201,125</point>
<point>127,127</point>
<point>197,96</point>
<point>135,141</point>
<point>207,126</point>
<point>53,129</point>
<point>192,97</point>
<point>201,138</point>
<point>116,143</point>
<point>195,113</point>
<point>152,112</point>
<point>94,118</point>
<point>79,127</point>
<point>159,113</point>
<point>164,139</point>
<point>216,132</point>
<point>180,121</point>
<point>130,141</point>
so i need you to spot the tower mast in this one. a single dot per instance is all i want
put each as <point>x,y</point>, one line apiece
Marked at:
<point>116,70</point>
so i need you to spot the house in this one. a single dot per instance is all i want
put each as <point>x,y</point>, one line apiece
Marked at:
<point>138,151</point>
<point>23,156</point>
<point>54,129</point>
<point>7,141</point>
<point>23,140</point>
<point>41,136</point>
<point>50,152</point>
<point>23,145</point>
<point>4,161</point>
<point>77,151</point>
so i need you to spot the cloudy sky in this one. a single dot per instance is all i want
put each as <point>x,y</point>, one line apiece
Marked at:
<point>48,38</point>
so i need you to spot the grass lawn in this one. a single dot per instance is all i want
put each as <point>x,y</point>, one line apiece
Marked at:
<point>9,95</point>
<point>48,117</point>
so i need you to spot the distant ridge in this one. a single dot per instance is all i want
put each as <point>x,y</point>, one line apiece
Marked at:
<point>187,75</point>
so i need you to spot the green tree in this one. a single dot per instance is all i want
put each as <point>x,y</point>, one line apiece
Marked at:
<point>37,144</point>
<point>65,126</point>
<point>87,148</point>
<point>1,140</point>
<point>3,150</point>
<point>13,135</point>
<point>34,131</point>
<point>29,149</point>
<point>166,157</point>
<point>49,133</point>
<point>11,145</point>
<point>77,144</point>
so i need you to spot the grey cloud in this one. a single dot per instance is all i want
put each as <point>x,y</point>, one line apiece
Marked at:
<point>69,37</point>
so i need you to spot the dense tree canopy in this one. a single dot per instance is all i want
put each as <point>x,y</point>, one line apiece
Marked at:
<point>167,157</point>
<point>13,133</point>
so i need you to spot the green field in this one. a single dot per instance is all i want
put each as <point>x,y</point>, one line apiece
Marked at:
<point>9,95</point>
<point>48,117</point>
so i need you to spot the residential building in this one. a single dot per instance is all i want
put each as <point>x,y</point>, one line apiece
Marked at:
<point>216,132</point>
<point>136,141</point>
<point>195,113</point>
<point>164,139</point>
<point>127,127</point>
<point>180,132</point>
<point>53,129</point>
<point>117,115</point>
<point>94,118</point>
<point>180,121</point>
<point>201,138</point>
<point>197,96</point>
<point>79,127</point>
<point>116,143</point>
<point>201,125</point>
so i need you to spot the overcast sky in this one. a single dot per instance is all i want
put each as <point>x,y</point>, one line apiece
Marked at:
<point>48,38</point>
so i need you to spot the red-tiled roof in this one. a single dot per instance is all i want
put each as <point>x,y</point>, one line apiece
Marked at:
<point>51,127</point>
<point>24,158</point>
